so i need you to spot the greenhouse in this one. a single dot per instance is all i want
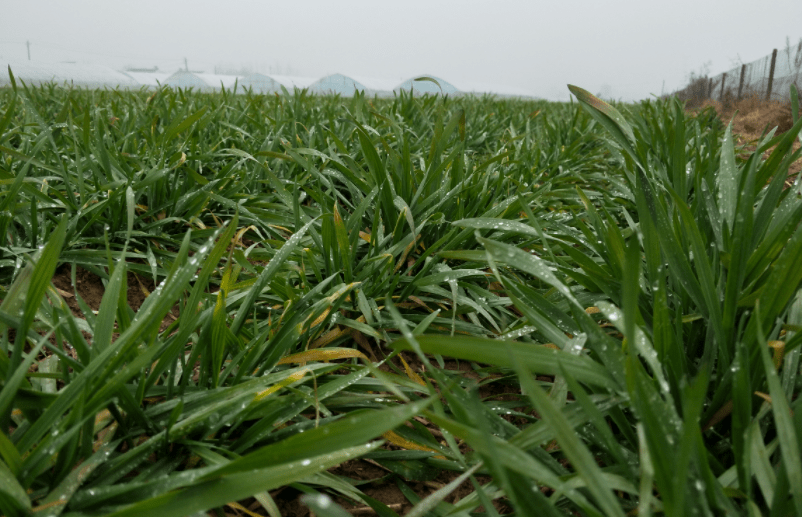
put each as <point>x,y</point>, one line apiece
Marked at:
<point>294,81</point>
<point>217,82</point>
<point>259,83</point>
<point>149,79</point>
<point>375,86</point>
<point>337,84</point>
<point>184,79</point>
<point>422,87</point>
<point>96,76</point>
<point>81,75</point>
<point>347,85</point>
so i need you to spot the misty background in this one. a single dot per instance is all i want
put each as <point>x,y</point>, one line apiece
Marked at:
<point>621,49</point>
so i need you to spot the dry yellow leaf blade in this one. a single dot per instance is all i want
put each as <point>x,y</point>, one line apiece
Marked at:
<point>764,396</point>
<point>104,436</point>
<point>412,375</point>
<point>142,286</point>
<point>280,228</point>
<point>238,236</point>
<point>320,318</point>
<point>50,505</point>
<point>400,441</point>
<point>330,336</point>
<point>779,352</point>
<point>420,302</point>
<point>297,376</point>
<point>331,299</point>
<point>65,294</point>
<point>103,418</point>
<point>323,354</point>
<point>411,246</point>
<point>241,508</point>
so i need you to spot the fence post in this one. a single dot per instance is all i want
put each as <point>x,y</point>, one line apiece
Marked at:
<point>723,82</point>
<point>771,73</point>
<point>741,85</point>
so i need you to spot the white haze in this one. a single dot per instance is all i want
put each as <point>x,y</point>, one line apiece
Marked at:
<point>623,49</point>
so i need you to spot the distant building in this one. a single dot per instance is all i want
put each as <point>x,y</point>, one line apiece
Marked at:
<point>148,79</point>
<point>420,86</point>
<point>96,76</point>
<point>346,86</point>
<point>187,80</point>
<point>260,83</point>
<point>70,74</point>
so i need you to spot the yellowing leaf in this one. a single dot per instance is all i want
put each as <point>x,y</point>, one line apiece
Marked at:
<point>406,252</point>
<point>142,286</point>
<point>280,228</point>
<point>241,508</point>
<point>412,375</point>
<point>402,442</point>
<point>297,376</point>
<point>779,352</point>
<point>420,302</point>
<point>320,318</point>
<point>329,336</point>
<point>324,354</point>
<point>764,396</point>
<point>238,236</point>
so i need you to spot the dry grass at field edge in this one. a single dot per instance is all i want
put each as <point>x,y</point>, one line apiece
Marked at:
<point>751,116</point>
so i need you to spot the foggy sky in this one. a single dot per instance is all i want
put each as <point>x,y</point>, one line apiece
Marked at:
<point>624,49</point>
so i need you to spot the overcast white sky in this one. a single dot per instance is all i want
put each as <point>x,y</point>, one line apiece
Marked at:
<point>625,49</point>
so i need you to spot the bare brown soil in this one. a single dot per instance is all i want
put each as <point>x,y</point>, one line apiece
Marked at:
<point>90,288</point>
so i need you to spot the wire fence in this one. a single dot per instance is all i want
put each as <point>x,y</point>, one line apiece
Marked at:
<point>768,78</point>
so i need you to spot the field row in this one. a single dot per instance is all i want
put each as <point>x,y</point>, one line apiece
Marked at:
<point>418,305</point>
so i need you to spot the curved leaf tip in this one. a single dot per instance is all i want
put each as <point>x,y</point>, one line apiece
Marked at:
<point>595,102</point>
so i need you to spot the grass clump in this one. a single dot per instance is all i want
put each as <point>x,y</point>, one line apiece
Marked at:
<point>565,306</point>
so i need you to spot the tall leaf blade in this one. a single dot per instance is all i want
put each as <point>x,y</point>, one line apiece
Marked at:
<point>535,358</point>
<point>607,116</point>
<point>272,268</point>
<point>40,279</point>
<point>576,451</point>
<point>728,180</point>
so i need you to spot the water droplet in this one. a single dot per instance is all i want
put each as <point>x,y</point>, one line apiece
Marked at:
<point>323,501</point>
